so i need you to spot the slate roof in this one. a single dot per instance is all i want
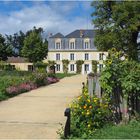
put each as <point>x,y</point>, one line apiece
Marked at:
<point>76,34</point>
<point>16,60</point>
<point>58,35</point>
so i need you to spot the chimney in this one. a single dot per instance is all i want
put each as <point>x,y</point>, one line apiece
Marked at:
<point>81,33</point>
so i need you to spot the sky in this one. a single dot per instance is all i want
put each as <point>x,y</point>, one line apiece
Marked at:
<point>53,16</point>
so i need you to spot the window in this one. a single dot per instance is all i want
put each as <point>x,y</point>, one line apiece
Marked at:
<point>57,67</point>
<point>101,56</point>
<point>72,45</point>
<point>30,68</point>
<point>57,45</point>
<point>86,56</point>
<point>71,56</point>
<point>100,67</point>
<point>86,67</point>
<point>57,56</point>
<point>72,67</point>
<point>86,45</point>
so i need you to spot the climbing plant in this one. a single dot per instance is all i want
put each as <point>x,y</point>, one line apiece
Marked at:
<point>94,66</point>
<point>51,63</point>
<point>79,65</point>
<point>65,65</point>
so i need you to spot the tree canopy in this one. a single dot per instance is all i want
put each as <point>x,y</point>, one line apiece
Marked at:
<point>16,42</point>
<point>117,24</point>
<point>5,50</point>
<point>35,49</point>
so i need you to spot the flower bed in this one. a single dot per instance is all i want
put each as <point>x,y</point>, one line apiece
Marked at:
<point>15,82</point>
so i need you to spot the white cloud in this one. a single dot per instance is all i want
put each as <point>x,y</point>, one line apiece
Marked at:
<point>41,15</point>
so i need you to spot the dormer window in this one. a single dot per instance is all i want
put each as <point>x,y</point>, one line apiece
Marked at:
<point>72,44</point>
<point>86,43</point>
<point>58,45</point>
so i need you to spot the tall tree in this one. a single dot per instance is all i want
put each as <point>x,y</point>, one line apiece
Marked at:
<point>117,25</point>
<point>5,50</point>
<point>16,41</point>
<point>35,49</point>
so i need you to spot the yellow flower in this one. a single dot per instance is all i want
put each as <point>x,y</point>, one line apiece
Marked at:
<point>94,100</point>
<point>110,62</point>
<point>88,112</point>
<point>88,125</point>
<point>88,100</point>
<point>90,106</point>
<point>79,97</point>
<point>85,107</point>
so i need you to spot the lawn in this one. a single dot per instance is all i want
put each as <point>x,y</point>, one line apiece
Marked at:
<point>62,75</point>
<point>129,131</point>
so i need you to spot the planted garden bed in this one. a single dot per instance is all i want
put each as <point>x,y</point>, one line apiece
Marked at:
<point>13,83</point>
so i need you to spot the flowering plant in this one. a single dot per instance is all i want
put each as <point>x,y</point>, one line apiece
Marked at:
<point>89,113</point>
<point>23,87</point>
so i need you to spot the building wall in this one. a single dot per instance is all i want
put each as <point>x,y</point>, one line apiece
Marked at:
<point>78,55</point>
<point>21,66</point>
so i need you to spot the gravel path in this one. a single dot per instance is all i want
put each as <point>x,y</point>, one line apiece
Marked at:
<point>37,114</point>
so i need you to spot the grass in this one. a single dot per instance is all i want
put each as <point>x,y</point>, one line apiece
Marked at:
<point>62,75</point>
<point>128,131</point>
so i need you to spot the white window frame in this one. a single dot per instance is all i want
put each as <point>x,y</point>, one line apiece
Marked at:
<point>101,56</point>
<point>86,44</point>
<point>58,67</point>
<point>72,55</point>
<point>72,67</point>
<point>86,56</point>
<point>57,47</point>
<point>58,54</point>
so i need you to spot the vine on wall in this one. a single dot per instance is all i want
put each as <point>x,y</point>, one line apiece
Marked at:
<point>65,65</point>
<point>79,65</point>
<point>94,66</point>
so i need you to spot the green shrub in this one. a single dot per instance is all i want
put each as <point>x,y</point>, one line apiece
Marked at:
<point>40,79</point>
<point>89,114</point>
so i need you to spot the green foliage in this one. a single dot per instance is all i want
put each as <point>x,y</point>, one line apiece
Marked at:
<point>120,81</point>
<point>129,131</point>
<point>40,66</point>
<point>40,79</point>
<point>63,75</point>
<point>34,48</point>
<point>16,41</point>
<point>130,78</point>
<point>88,114</point>
<point>13,78</point>
<point>94,66</point>
<point>5,49</point>
<point>65,65</point>
<point>122,73</point>
<point>79,65</point>
<point>51,63</point>
<point>118,26</point>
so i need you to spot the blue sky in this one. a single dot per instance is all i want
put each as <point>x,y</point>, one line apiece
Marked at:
<point>53,16</point>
